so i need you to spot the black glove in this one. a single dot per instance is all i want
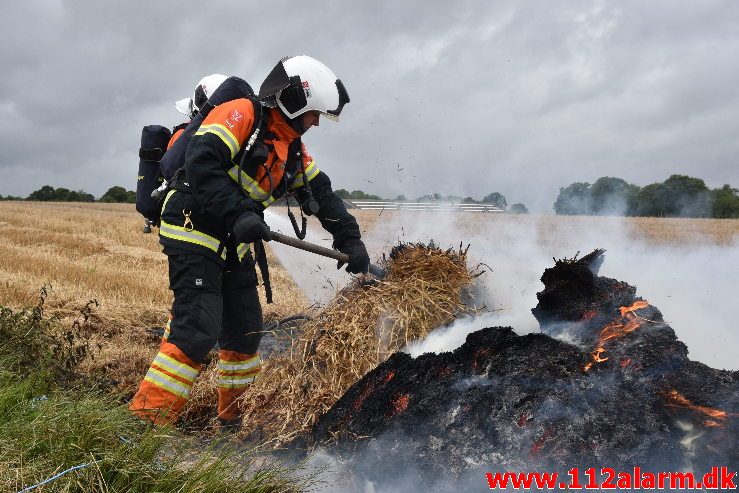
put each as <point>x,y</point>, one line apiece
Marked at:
<point>249,227</point>
<point>358,258</point>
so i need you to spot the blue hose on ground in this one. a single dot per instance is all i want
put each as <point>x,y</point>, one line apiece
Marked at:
<point>57,476</point>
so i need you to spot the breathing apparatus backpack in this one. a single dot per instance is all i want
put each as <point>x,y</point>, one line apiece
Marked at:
<point>154,140</point>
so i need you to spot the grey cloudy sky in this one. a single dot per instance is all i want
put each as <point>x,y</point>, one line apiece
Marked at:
<point>460,98</point>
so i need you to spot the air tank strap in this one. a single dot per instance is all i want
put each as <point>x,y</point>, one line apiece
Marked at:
<point>260,256</point>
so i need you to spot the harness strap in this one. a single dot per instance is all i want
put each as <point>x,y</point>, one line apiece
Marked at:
<point>246,152</point>
<point>260,255</point>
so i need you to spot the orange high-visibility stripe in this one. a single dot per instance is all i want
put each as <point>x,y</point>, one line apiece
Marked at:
<point>235,117</point>
<point>235,372</point>
<point>165,388</point>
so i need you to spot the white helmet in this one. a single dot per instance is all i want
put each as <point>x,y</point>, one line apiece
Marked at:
<point>204,90</point>
<point>299,84</point>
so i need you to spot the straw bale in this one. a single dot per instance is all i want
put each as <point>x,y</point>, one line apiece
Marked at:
<point>360,328</point>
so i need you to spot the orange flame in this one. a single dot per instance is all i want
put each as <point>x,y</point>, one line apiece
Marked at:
<point>676,399</point>
<point>628,323</point>
<point>400,403</point>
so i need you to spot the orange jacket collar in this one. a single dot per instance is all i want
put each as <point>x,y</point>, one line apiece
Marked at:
<point>279,127</point>
<point>284,134</point>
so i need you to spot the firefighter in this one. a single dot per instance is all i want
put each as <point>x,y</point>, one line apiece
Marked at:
<point>191,106</point>
<point>246,154</point>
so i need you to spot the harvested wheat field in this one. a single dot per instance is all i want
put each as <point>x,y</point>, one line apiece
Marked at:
<point>551,229</point>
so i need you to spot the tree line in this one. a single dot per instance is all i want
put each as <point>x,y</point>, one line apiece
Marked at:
<point>48,193</point>
<point>118,194</point>
<point>495,199</point>
<point>677,196</point>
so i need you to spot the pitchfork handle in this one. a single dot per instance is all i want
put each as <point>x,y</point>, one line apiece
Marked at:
<point>375,270</point>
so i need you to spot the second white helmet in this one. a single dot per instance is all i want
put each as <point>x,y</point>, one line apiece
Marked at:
<point>203,91</point>
<point>299,84</point>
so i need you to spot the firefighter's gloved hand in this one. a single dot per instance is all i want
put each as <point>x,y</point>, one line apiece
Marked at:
<point>249,227</point>
<point>358,258</point>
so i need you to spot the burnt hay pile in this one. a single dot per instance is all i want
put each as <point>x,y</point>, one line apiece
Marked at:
<point>623,393</point>
<point>363,325</point>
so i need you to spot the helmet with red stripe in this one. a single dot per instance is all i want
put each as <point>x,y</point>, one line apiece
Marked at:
<point>300,84</point>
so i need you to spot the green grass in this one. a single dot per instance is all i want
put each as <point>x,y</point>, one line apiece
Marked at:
<point>50,422</point>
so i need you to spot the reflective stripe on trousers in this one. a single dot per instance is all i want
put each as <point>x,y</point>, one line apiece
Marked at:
<point>237,369</point>
<point>235,372</point>
<point>166,387</point>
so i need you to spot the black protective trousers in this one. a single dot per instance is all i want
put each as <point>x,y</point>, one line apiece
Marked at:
<point>213,304</point>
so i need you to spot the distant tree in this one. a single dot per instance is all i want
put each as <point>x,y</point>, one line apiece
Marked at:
<point>342,194</point>
<point>469,200</point>
<point>612,196</point>
<point>651,201</point>
<point>677,196</point>
<point>82,196</point>
<point>355,195</point>
<point>400,198</point>
<point>573,199</point>
<point>360,195</point>
<point>62,194</point>
<point>50,194</point>
<point>118,195</point>
<point>518,208</point>
<point>43,194</point>
<point>691,196</point>
<point>496,199</point>
<point>726,202</point>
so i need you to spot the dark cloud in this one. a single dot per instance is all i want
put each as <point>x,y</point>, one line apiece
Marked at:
<point>515,97</point>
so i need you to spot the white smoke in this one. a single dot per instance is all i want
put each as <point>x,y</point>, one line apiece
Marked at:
<point>316,276</point>
<point>694,285</point>
<point>452,336</point>
<point>339,476</point>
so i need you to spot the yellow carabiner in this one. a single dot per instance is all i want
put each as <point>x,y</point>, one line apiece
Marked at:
<point>188,222</point>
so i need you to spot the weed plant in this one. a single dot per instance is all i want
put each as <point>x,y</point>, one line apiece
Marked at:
<point>51,421</point>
